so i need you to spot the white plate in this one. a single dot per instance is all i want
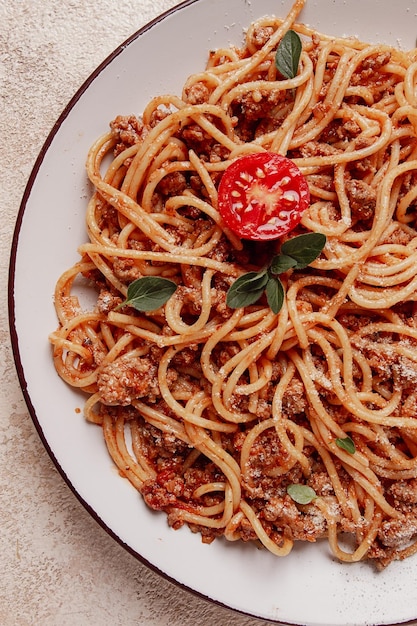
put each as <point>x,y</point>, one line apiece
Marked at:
<point>308,587</point>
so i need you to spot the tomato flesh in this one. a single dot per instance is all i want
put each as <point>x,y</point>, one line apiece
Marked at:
<point>262,196</point>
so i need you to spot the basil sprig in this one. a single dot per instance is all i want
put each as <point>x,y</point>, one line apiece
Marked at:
<point>296,253</point>
<point>302,494</point>
<point>346,443</point>
<point>288,54</point>
<point>149,293</point>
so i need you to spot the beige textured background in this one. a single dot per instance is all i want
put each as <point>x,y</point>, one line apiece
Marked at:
<point>57,566</point>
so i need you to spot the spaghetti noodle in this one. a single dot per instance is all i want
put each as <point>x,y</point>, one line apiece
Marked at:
<point>213,413</point>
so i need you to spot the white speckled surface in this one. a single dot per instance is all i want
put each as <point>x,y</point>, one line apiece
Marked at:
<point>57,566</point>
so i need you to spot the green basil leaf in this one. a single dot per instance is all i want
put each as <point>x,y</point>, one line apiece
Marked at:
<point>302,494</point>
<point>149,293</point>
<point>236,300</point>
<point>275,294</point>
<point>282,263</point>
<point>346,443</point>
<point>247,289</point>
<point>288,54</point>
<point>251,280</point>
<point>304,248</point>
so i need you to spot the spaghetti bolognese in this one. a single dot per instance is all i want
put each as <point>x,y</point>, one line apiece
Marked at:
<point>256,423</point>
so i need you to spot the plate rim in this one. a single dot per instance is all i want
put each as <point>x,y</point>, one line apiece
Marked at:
<point>14,337</point>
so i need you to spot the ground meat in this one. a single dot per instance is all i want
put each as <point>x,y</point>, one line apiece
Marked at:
<point>406,371</point>
<point>258,105</point>
<point>128,130</point>
<point>321,483</point>
<point>322,181</point>
<point>127,378</point>
<point>308,525</point>
<point>294,399</point>
<point>107,216</point>
<point>376,61</point>
<point>157,116</point>
<point>321,109</point>
<point>197,93</point>
<point>338,130</point>
<point>261,35</point>
<point>316,148</point>
<point>106,301</point>
<point>187,356</point>
<point>197,139</point>
<point>404,491</point>
<point>195,477</point>
<point>218,153</point>
<point>364,167</point>
<point>370,68</point>
<point>165,451</point>
<point>246,531</point>
<point>362,198</point>
<point>218,299</point>
<point>173,184</point>
<point>398,236</point>
<point>267,454</point>
<point>259,112</point>
<point>221,252</point>
<point>126,270</point>
<point>409,182</point>
<point>354,322</point>
<point>396,533</point>
<point>171,488</point>
<point>386,360</point>
<point>96,349</point>
<point>157,497</point>
<point>192,276</point>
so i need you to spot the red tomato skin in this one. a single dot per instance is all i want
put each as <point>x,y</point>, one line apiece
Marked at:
<point>262,196</point>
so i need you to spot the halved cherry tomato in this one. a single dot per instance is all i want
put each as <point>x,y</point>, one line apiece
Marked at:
<point>262,196</point>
